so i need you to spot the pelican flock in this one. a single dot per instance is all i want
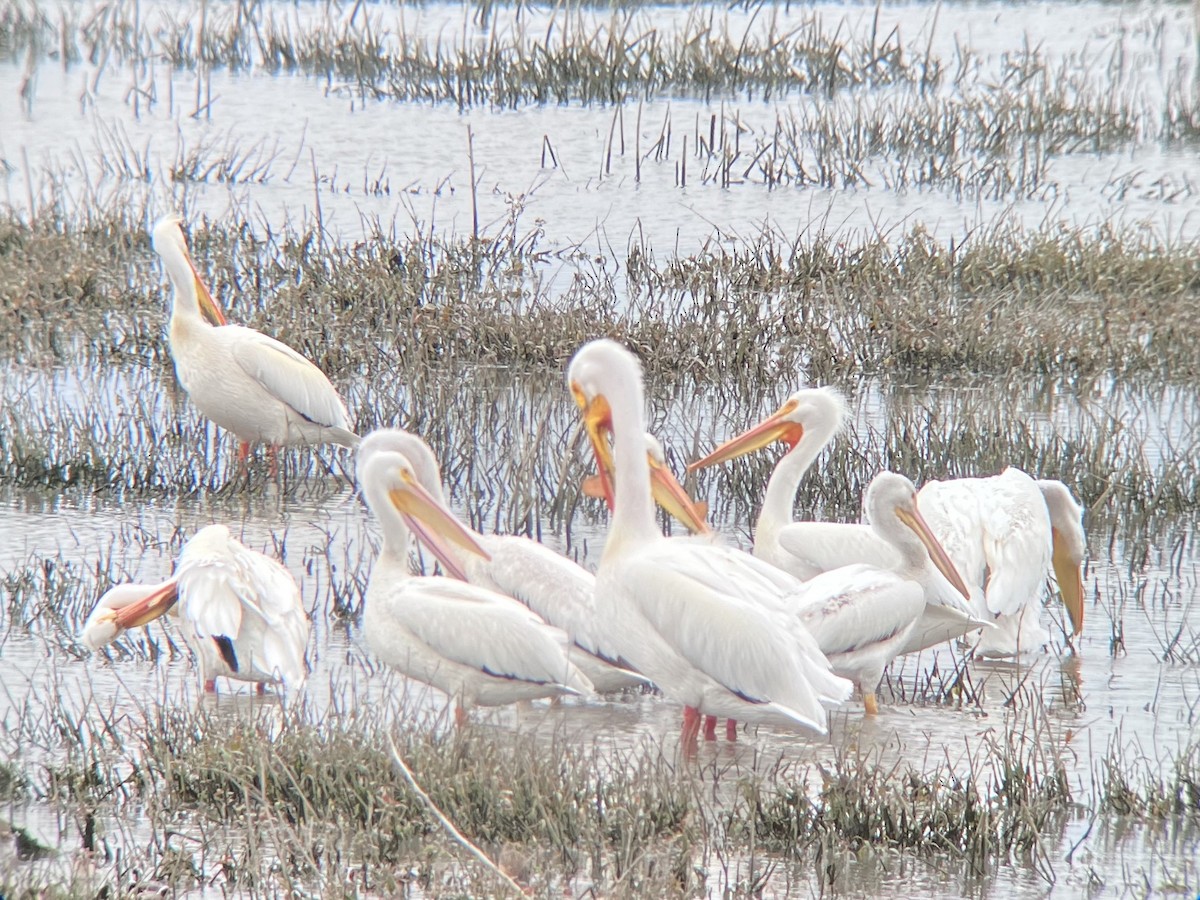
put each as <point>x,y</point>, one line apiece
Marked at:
<point>777,638</point>
<point>1002,534</point>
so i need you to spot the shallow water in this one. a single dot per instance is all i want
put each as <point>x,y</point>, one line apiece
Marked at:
<point>308,148</point>
<point>1097,703</point>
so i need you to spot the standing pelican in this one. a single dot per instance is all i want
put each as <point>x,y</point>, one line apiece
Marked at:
<point>806,422</point>
<point>252,385</point>
<point>863,615</point>
<point>239,611</point>
<point>703,622</point>
<point>1004,533</point>
<point>473,644</point>
<point>560,591</point>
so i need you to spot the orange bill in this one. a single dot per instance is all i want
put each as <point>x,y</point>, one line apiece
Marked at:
<point>914,520</point>
<point>1069,574</point>
<point>434,525</point>
<point>776,427</point>
<point>209,308</point>
<point>670,495</point>
<point>149,608</point>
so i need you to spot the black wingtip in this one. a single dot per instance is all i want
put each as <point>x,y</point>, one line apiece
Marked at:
<point>225,648</point>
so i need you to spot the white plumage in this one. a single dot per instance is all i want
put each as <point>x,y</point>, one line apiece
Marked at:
<point>560,591</point>
<point>252,385</point>
<point>997,532</point>
<point>239,611</point>
<point>1004,533</point>
<point>476,645</point>
<point>864,615</point>
<point>704,622</point>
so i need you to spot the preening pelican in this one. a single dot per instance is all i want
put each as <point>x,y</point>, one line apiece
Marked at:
<point>1004,533</point>
<point>560,591</point>
<point>863,615</point>
<point>703,622</point>
<point>239,611</point>
<point>475,645</point>
<point>252,385</point>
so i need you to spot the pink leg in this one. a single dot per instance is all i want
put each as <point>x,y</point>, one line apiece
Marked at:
<point>460,716</point>
<point>731,729</point>
<point>261,688</point>
<point>710,728</point>
<point>210,686</point>
<point>244,456</point>
<point>273,455</point>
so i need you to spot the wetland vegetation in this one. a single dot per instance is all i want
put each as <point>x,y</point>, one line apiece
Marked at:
<point>1071,349</point>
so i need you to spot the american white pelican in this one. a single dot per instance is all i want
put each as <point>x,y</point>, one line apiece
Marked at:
<point>1001,533</point>
<point>806,422</point>
<point>252,385</point>
<point>239,611</point>
<point>863,615</point>
<point>473,644</point>
<point>1004,533</point>
<point>560,591</point>
<point>703,622</point>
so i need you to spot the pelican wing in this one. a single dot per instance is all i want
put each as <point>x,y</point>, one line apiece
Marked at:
<point>952,510</point>
<point>723,611</point>
<point>823,546</point>
<point>849,608</point>
<point>211,596</point>
<point>291,378</point>
<point>554,587</point>
<point>1017,541</point>
<point>286,625</point>
<point>483,630</point>
<point>997,532</point>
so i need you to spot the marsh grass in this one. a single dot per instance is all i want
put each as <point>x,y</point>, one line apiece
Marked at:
<point>1073,303</point>
<point>572,53</point>
<point>263,796</point>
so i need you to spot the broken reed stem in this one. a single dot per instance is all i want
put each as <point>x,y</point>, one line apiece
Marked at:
<point>456,835</point>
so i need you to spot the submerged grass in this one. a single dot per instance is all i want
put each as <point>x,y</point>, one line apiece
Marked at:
<point>567,54</point>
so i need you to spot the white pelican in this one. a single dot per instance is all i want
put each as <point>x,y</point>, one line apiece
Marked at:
<point>703,622</point>
<point>863,615</point>
<point>252,385</point>
<point>807,421</point>
<point>560,591</point>
<point>473,644</point>
<point>239,611</point>
<point>1031,523</point>
<point>1004,533</point>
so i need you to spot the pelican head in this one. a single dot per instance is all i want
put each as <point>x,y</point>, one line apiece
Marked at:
<point>892,500</point>
<point>603,368</point>
<point>169,243</point>
<point>126,606</point>
<point>817,412</point>
<point>1070,547</point>
<point>393,490</point>
<point>600,368</point>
